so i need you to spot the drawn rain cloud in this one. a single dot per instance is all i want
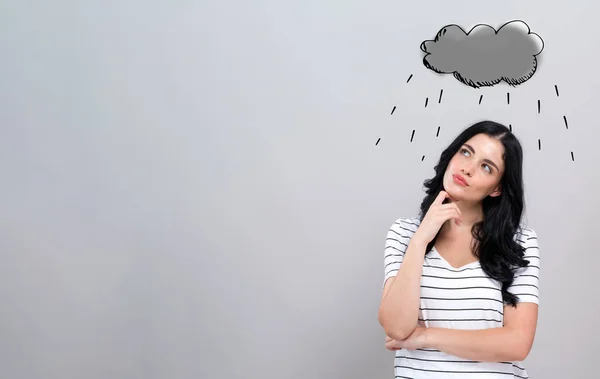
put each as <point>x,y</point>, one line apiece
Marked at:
<point>484,57</point>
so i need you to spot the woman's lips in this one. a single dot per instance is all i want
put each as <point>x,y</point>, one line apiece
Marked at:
<point>460,180</point>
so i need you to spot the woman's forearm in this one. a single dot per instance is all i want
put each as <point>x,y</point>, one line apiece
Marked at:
<point>399,310</point>
<point>486,345</point>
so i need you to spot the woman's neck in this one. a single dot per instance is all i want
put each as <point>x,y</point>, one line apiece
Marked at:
<point>470,214</point>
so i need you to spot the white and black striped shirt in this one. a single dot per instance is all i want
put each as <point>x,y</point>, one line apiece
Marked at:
<point>459,298</point>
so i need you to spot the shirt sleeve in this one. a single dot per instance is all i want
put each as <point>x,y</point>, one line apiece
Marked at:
<point>526,282</point>
<point>398,237</point>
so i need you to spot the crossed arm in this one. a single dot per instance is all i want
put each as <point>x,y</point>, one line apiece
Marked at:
<point>511,342</point>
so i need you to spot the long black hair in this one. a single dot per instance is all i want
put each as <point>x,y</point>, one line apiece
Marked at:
<point>495,245</point>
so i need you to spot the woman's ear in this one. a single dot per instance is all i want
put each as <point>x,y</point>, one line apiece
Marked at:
<point>496,192</point>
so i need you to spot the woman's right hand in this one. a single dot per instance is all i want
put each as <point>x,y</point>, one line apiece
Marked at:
<point>436,215</point>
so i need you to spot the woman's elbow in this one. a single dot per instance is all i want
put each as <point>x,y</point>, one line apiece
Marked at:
<point>399,334</point>
<point>522,353</point>
<point>397,330</point>
<point>524,346</point>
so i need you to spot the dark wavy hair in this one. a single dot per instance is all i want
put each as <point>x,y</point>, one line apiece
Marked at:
<point>495,246</point>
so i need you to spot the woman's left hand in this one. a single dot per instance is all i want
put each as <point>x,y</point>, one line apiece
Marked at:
<point>416,340</point>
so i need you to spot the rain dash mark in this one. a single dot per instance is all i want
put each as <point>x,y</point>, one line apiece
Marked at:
<point>440,99</point>
<point>393,109</point>
<point>566,123</point>
<point>426,101</point>
<point>409,78</point>
<point>539,144</point>
<point>508,98</point>
<point>510,127</point>
<point>556,89</point>
<point>377,143</point>
<point>423,157</point>
<point>480,98</point>
<point>412,135</point>
<point>539,107</point>
<point>438,132</point>
<point>572,157</point>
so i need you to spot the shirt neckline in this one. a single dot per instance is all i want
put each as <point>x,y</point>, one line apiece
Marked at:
<point>448,265</point>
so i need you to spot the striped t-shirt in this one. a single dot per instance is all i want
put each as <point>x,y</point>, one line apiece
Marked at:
<point>459,298</point>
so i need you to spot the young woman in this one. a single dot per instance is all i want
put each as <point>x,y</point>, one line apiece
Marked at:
<point>460,294</point>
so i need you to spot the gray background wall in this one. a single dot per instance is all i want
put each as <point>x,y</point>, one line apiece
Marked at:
<point>192,189</point>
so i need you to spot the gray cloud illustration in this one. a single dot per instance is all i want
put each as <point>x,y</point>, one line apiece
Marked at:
<point>484,56</point>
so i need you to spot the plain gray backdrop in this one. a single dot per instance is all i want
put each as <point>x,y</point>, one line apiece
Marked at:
<point>194,190</point>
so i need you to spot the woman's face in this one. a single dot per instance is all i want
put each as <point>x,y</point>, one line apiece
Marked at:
<point>475,170</point>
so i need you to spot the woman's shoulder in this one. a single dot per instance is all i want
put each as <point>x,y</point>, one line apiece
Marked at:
<point>406,225</point>
<point>523,232</point>
<point>526,236</point>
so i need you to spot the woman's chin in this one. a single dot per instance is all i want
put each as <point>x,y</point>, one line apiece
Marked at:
<point>453,192</point>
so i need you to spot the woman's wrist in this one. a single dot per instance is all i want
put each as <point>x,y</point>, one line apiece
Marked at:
<point>427,338</point>
<point>418,243</point>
